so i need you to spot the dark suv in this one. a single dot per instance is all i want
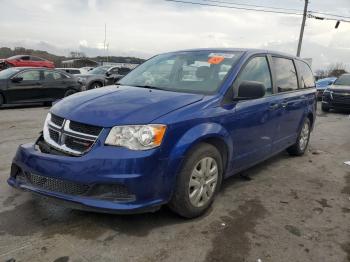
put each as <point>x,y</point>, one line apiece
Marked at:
<point>337,96</point>
<point>171,131</point>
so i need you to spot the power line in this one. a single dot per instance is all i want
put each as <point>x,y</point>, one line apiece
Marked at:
<point>262,9</point>
<point>259,6</point>
<point>329,14</point>
<point>276,8</point>
<point>234,7</point>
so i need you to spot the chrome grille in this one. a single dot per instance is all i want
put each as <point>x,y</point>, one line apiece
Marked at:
<point>341,97</point>
<point>70,137</point>
<point>84,128</point>
<point>57,120</point>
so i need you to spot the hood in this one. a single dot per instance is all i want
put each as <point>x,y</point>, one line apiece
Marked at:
<point>340,88</point>
<point>110,106</point>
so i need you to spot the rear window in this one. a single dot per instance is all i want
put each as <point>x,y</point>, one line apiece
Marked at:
<point>286,76</point>
<point>307,78</point>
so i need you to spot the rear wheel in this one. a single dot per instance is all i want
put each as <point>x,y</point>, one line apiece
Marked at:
<point>300,146</point>
<point>324,108</point>
<point>69,92</point>
<point>198,182</point>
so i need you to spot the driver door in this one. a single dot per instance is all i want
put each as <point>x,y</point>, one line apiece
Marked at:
<point>254,121</point>
<point>26,90</point>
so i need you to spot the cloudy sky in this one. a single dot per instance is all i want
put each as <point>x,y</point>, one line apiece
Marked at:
<point>146,27</point>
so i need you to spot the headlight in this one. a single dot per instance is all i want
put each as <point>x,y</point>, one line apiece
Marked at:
<point>136,137</point>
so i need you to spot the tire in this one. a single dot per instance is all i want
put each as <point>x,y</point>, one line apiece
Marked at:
<point>2,100</point>
<point>299,148</point>
<point>95,85</point>
<point>69,92</point>
<point>325,108</point>
<point>204,186</point>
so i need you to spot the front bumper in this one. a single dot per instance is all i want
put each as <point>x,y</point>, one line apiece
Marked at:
<point>336,102</point>
<point>144,174</point>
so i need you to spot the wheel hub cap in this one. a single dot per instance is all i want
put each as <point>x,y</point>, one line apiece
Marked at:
<point>203,181</point>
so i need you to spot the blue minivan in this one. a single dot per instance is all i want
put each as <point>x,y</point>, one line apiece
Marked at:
<point>170,131</point>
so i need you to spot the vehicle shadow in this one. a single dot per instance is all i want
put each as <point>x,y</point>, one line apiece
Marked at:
<point>39,215</point>
<point>23,106</point>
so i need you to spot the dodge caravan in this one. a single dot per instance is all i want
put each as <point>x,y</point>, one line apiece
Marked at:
<point>170,131</point>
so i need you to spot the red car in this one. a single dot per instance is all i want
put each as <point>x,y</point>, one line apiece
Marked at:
<point>26,60</point>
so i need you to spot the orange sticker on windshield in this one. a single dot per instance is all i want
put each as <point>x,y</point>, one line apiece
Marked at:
<point>216,60</point>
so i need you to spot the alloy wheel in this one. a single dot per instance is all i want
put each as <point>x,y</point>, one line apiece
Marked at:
<point>203,181</point>
<point>304,136</point>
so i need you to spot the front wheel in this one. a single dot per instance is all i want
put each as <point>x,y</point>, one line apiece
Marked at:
<point>198,181</point>
<point>95,85</point>
<point>325,108</point>
<point>300,146</point>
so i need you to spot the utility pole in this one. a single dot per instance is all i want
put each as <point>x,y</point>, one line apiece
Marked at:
<point>302,27</point>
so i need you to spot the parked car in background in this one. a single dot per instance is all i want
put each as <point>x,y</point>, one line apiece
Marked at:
<point>86,69</point>
<point>171,131</point>
<point>337,96</point>
<point>32,84</point>
<point>101,76</point>
<point>26,60</point>
<point>72,71</point>
<point>323,84</point>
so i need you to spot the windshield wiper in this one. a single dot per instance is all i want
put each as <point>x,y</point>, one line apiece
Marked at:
<point>149,87</point>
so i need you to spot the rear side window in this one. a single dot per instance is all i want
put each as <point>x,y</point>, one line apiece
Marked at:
<point>307,78</point>
<point>52,76</point>
<point>257,69</point>
<point>286,77</point>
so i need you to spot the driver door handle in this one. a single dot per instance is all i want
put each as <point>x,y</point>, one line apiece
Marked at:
<point>273,106</point>
<point>284,104</point>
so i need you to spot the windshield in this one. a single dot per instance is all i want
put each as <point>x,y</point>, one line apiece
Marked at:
<point>101,70</point>
<point>343,80</point>
<point>194,71</point>
<point>5,74</point>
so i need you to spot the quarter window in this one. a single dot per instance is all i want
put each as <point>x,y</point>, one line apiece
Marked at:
<point>307,78</point>
<point>30,75</point>
<point>286,77</point>
<point>257,70</point>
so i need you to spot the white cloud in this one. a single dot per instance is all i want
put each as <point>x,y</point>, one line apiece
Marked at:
<point>147,27</point>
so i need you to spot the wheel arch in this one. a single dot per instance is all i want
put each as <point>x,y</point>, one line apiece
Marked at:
<point>96,81</point>
<point>211,133</point>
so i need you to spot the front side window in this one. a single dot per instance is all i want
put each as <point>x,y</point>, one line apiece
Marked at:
<point>286,76</point>
<point>30,75</point>
<point>307,78</point>
<point>192,71</point>
<point>257,70</point>
<point>101,70</point>
<point>113,71</point>
<point>35,58</point>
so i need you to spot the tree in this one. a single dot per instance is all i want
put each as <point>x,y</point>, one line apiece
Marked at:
<point>336,69</point>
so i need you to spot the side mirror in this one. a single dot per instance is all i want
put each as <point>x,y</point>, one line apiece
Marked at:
<point>108,73</point>
<point>17,79</point>
<point>250,90</point>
